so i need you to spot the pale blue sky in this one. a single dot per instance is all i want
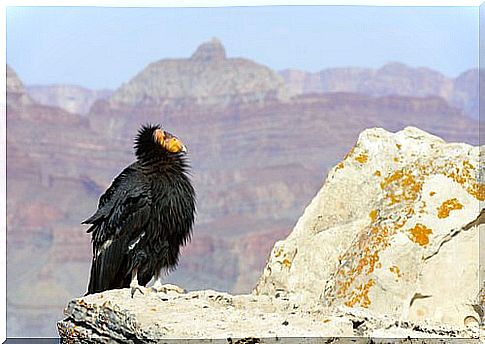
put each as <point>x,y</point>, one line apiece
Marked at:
<point>100,47</point>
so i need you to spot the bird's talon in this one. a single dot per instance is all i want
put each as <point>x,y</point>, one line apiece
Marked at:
<point>134,289</point>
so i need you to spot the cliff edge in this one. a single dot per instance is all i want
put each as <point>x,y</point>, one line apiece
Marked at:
<point>388,248</point>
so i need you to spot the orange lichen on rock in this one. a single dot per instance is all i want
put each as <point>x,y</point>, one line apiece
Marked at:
<point>360,295</point>
<point>465,177</point>
<point>396,271</point>
<point>368,260</point>
<point>398,146</point>
<point>339,166</point>
<point>447,206</point>
<point>401,186</point>
<point>422,207</point>
<point>369,245</point>
<point>373,215</point>
<point>468,165</point>
<point>278,252</point>
<point>402,189</point>
<point>286,262</point>
<point>420,234</point>
<point>477,190</point>
<point>362,158</point>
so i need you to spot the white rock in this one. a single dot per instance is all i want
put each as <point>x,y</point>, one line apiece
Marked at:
<point>385,232</point>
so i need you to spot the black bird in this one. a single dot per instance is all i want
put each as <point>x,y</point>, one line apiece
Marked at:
<point>144,217</point>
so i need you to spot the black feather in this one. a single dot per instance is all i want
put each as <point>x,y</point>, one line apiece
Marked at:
<point>143,218</point>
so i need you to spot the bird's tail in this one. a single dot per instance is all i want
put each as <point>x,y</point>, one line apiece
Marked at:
<point>109,268</point>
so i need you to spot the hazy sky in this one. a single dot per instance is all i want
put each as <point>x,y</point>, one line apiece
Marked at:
<point>100,47</point>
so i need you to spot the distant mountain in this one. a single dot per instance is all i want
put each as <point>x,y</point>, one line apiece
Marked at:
<point>72,98</point>
<point>391,79</point>
<point>208,77</point>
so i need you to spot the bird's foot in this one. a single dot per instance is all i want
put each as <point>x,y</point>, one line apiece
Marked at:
<point>166,288</point>
<point>133,288</point>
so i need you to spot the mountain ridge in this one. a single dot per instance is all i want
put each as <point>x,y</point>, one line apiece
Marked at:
<point>393,78</point>
<point>210,78</point>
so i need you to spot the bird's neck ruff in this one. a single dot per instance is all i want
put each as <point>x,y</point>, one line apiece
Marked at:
<point>158,162</point>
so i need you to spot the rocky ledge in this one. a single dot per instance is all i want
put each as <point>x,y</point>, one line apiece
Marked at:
<point>114,316</point>
<point>388,248</point>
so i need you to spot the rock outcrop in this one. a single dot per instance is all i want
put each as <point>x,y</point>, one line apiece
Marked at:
<point>115,317</point>
<point>16,94</point>
<point>387,248</point>
<point>388,231</point>
<point>208,77</point>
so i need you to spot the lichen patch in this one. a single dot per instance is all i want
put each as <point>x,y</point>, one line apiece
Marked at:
<point>278,252</point>
<point>362,158</point>
<point>403,198</point>
<point>396,271</point>
<point>401,186</point>
<point>286,262</point>
<point>420,234</point>
<point>360,295</point>
<point>373,215</point>
<point>447,206</point>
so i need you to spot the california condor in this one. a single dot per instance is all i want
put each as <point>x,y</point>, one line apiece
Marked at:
<point>144,217</point>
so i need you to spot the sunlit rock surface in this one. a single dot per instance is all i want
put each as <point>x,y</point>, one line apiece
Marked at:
<point>113,316</point>
<point>388,231</point>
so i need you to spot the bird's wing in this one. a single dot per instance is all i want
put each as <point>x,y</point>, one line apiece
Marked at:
<point>123,208</point>
<point>109,267</point>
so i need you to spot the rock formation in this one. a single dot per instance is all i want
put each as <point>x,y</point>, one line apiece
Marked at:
<point>387,248</point>
<point>16,94</point>
<point>208,77</point>
<point>216,317</point>
<point>388,231</point>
